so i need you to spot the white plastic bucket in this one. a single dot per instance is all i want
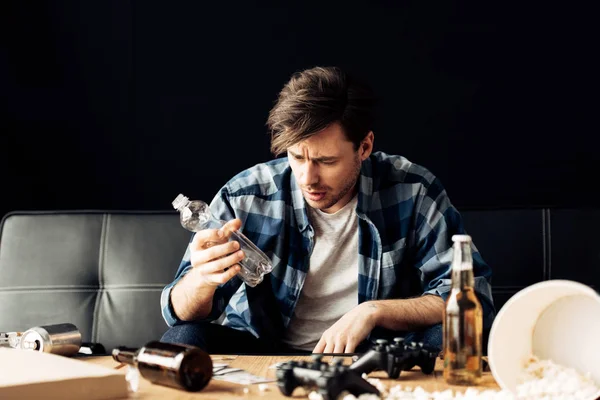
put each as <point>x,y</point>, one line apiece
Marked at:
<point>557,320</point>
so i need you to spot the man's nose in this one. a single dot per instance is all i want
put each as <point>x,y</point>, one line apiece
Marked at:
<point>309,175</point>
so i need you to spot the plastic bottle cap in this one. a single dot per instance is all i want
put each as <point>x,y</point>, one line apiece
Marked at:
<point>180,201</point>
<point>461,238</point>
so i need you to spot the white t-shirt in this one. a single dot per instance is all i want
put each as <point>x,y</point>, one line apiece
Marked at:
<point>331,286</point>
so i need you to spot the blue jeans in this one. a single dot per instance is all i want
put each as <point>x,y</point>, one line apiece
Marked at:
<point>218,339</point>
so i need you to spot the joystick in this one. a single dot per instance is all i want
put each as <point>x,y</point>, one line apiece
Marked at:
<point>328,379</point>
<point>396,357</point>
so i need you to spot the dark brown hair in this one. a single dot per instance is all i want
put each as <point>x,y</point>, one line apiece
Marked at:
<point>314,99</point>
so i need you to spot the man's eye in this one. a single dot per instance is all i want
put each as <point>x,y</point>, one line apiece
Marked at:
<point>327,162</point>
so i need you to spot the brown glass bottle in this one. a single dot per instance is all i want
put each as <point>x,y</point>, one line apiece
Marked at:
<point>175,365</point>
<point>463,320</point>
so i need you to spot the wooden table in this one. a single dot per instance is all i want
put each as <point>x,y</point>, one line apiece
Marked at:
<point>259,365</point>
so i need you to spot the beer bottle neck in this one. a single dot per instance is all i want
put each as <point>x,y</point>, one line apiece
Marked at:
<point>125,355</point>
<point>462,266</point>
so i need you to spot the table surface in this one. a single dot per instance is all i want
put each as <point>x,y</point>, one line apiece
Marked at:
<point>259,365</point>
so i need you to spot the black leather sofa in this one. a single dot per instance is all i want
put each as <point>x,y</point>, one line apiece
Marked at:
<point>104,271</point>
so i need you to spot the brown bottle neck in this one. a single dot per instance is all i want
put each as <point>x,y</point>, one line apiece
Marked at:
<point>462,278</point>
<point>125,355</point>
<point>462,266</point>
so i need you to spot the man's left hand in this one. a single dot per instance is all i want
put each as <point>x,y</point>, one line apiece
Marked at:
<point>349,331</point>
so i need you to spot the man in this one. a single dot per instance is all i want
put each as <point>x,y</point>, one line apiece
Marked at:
<point>360,241</point>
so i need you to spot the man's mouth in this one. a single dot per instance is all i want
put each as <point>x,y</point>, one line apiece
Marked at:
<point>315,196</point>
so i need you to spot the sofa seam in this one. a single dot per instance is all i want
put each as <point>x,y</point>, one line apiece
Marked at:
<point>99,292</point>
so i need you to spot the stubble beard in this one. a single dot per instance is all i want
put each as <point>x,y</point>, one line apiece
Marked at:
<point>348,186</point>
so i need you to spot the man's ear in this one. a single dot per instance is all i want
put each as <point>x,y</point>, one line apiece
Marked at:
<point>366,146</point>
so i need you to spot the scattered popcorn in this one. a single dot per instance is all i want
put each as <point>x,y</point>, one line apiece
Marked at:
<point>378,384</point>
<point>315,396</point>
<point>542,380</point>
<point>263,387</point>
<point>545,379</point>
<point>132,376</point>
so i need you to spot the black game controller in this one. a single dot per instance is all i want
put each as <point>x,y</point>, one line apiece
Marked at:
<point>328,380</point>
<point>396,357</point>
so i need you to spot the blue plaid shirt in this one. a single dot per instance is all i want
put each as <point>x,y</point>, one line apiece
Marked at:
<point>405,225</point>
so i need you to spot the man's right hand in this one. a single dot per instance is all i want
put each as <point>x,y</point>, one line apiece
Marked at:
<point>215,258</point>
<point>214,261</point>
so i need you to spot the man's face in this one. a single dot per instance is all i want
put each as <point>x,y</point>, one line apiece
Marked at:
<point>326,168</point>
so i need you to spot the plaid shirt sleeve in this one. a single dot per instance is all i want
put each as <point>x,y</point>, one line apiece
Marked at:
<point>221,209</point>
<point>436,222</point>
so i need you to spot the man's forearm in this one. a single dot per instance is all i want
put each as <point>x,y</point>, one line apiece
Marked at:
<point>190,303</point>
<point>407,314</point>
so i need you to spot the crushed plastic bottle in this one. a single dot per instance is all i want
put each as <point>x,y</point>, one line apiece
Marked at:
<point>195,216</point>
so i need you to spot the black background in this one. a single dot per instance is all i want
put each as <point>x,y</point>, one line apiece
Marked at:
<point>124,104</point>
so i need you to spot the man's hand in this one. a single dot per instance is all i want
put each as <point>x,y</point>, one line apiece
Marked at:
<point>214,258</point>
<point>214,261</point>
<point>349,331</point>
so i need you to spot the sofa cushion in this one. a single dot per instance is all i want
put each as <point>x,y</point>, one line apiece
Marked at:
<point>575,246</point>
<point>102,271</point>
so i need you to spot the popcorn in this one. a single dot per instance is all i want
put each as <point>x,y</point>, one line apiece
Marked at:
<point>263,387</point>
<point>315,396</point>
<point>132,376</point>
<point>378,384</point>
<point>542,380</point>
